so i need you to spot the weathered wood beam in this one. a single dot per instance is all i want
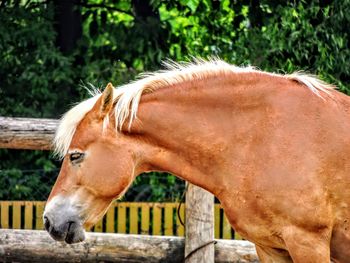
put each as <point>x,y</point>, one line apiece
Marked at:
<point>27,133</point>
<point>37,246</point>
<point>199,245</point>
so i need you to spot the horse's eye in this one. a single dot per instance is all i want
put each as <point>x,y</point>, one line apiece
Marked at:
<point>76,157</point>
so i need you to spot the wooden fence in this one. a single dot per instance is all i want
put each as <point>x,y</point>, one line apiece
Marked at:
<point>122,217</point>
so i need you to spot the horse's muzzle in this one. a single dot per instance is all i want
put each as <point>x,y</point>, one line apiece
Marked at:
<point>70,231</point>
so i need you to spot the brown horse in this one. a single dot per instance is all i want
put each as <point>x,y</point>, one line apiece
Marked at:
<point>272,148</point>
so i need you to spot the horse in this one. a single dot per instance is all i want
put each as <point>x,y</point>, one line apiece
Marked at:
<point>273,148</point>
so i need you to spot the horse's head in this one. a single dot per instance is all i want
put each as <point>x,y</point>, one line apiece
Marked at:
<point>99,166</point>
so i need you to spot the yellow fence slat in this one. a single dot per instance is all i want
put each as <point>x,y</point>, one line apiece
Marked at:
<point>99,226</point>
<point>39,215</point>
<point>110,217</point>
<point>168,219</point>
<point>217,221</point>
<point>145,218</point>
<point>142,218</point>
<point>226,229</point>
<point>28,215</point>
<point>16,215</point>
<point>157,220</point>
<point>238,236</point>
<point>121,226</point>
<point>180,229</point>
<point>5,214</point>
<point>134,218</point>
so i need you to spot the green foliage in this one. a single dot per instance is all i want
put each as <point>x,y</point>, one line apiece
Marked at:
<point>274,36</point>
<point>25,176</point>
<point>153,187</point>
<point>118,44</point>
<point>304,36</point>
<point>198,28</point>
<point>121,38</point>
<point>32,70</point>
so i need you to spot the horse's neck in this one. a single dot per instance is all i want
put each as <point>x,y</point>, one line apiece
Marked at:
<point>188,126</point>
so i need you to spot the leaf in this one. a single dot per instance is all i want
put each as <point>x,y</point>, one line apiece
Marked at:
<point>192,4</point>
<point>86,15</point>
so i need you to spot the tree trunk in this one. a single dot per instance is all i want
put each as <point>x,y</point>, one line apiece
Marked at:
<point>68,24</point>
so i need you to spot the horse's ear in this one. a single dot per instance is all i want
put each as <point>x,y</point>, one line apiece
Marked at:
<point>106,101</point>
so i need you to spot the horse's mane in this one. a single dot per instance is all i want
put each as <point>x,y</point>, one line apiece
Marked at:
<point>127,97</point>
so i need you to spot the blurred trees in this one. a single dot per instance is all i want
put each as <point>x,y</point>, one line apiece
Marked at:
<point>49,48</point>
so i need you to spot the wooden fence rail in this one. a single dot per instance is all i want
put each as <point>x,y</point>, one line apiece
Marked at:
<point>122,217</point>
<point>27,133</point>
<point>38,246</point>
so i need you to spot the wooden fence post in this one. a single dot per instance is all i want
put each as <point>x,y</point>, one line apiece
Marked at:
<point>199,242</point>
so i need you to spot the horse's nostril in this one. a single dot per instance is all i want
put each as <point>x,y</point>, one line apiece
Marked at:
<point>70,223</point>
<point>46,223</point>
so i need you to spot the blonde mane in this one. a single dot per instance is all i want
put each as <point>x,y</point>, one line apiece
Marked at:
<point>127,97</point>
